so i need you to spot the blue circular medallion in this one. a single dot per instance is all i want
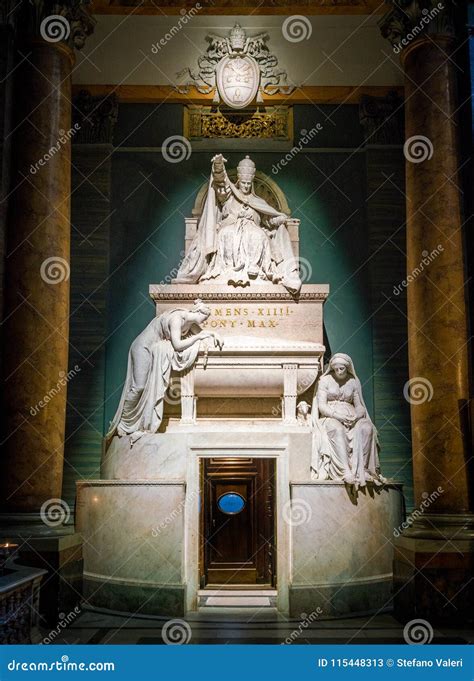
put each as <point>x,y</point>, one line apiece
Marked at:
<point>231,503</point>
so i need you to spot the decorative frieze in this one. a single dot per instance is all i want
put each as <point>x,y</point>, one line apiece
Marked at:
<point>158,294</point>
<point>204,122</point>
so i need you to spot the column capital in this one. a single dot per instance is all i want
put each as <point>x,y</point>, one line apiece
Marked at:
<point>412,20</point>
<point>94,117</point>
<point>61,22</point>
<point>381,119</point>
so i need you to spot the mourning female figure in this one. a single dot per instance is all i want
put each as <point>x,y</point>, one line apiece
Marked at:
<point>345,443</point>
<point>169,342</point>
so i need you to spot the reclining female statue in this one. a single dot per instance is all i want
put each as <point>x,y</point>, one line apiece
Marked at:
<point>169,342</point>
<point>345,442</point>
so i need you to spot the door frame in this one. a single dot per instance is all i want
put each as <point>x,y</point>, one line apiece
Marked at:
<point>193,507</point>
<point>257,519</point>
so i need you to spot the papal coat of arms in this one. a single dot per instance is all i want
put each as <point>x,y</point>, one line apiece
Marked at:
<point>238,69</point>
<point>237,80</point>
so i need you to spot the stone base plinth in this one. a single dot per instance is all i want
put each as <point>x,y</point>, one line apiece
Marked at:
<point>139,599</point>
<point>133,544</point>
<point>142,534</point>
<point>342,548</point>
<point>433,570</point>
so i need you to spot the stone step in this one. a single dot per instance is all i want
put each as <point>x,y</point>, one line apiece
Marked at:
<point>241,598</point>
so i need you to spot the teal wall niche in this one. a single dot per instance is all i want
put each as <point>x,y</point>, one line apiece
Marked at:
<point>326,187</point>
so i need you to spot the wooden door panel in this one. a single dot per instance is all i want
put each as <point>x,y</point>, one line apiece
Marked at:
<point>232,540</point>
<point>238,546</point>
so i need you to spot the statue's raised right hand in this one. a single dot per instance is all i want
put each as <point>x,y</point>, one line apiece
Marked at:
<point>219,159</point>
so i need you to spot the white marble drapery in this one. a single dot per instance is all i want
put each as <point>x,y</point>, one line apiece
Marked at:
<point>151,359</point>
<point>340,450</point>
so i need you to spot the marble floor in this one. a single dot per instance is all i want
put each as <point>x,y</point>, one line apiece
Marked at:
<point>224,625</point>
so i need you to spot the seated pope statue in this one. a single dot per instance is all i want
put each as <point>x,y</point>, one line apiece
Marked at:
<point>240,237</point>
<point>169,342</point>
<point>345,442</point>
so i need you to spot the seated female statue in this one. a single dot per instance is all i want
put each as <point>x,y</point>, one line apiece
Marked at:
<point>345,442</point>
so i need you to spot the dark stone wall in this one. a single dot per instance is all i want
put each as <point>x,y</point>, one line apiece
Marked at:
<point>90,246</point>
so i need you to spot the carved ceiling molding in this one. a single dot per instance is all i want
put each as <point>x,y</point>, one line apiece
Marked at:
<point>238,7</point>
<point>412,19</point>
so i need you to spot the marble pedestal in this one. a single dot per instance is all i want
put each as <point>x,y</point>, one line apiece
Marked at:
<point>342,553</point>
<point>140,523</point>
